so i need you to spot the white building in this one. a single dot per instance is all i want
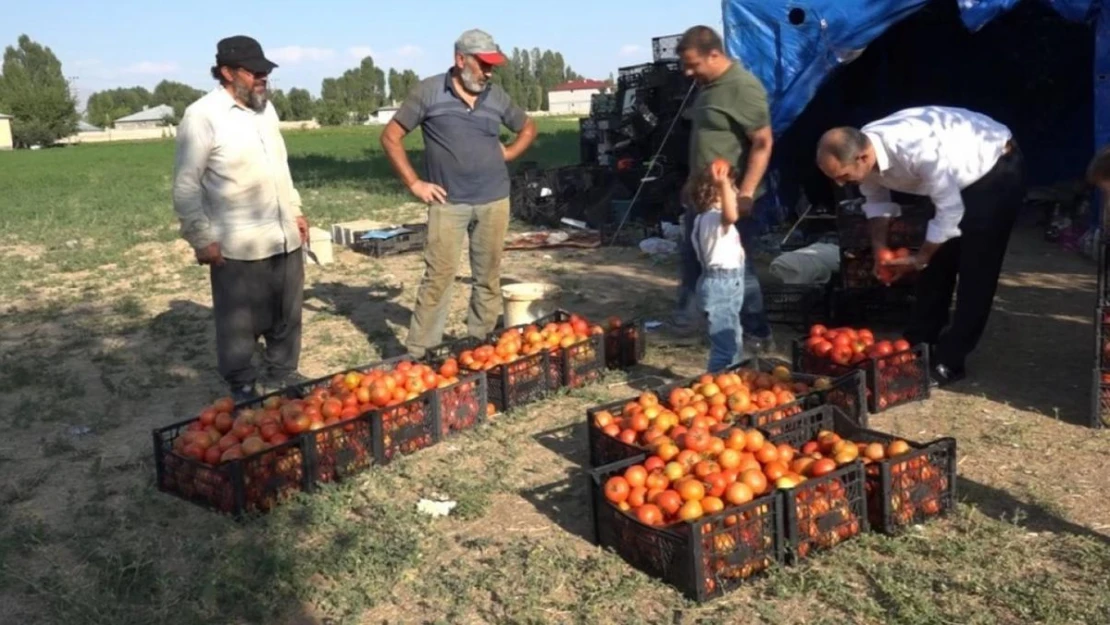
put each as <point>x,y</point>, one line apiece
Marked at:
<point>382,115</point>
<point>5,131</point>
<point>573,98</point>
<point>149,117</point>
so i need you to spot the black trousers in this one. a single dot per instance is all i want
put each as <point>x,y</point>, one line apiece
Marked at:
<point>258,298</point>
<point>975,258</point>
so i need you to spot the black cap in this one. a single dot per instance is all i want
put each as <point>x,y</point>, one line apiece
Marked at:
<point>245,52</point>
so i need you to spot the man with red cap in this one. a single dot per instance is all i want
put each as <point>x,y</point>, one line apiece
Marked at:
<point>465,182</point>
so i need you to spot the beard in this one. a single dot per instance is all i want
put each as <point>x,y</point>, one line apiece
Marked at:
<point>254,99</point>
<point>472,81</point>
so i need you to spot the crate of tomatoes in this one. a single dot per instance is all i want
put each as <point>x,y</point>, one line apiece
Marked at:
<point>906,482</point>
<point>577,346</point>
<point>516,373</point>
<point>703,520</point>
<point>746,396</point>
<point>896,372</point>
<point>625,342</point>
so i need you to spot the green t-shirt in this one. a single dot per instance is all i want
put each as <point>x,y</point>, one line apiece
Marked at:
<point>723,114</point>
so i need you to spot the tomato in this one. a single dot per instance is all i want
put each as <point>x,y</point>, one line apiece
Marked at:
<point>720,168</point>
<point>649,514</point>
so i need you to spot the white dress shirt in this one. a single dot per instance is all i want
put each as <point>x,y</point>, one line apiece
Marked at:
<point>231,180</point>
<point>933,151</point>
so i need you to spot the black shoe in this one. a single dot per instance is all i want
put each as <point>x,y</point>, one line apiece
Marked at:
<point>943,376</point>
<point>241,393</point>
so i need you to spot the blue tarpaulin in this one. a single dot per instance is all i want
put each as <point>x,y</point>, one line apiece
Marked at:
<point>795,46</point>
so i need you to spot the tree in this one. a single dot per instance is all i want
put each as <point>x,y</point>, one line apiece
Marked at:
<point>176,94</point>
<point>359,91</point>
<point>300,104</point>
<point>401,83</point>
<point>104,107</point>
<point>34,90</point>
<point>281,104</point>
<point>530,74</point>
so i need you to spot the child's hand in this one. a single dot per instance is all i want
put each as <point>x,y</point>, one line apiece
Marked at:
<point>721,170</point>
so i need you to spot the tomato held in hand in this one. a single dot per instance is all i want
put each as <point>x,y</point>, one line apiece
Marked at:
<point>720,168</point>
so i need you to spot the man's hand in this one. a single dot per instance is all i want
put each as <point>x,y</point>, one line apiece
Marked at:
<point>210,255</point>
<point>428,193</point>
<point>302,227</point>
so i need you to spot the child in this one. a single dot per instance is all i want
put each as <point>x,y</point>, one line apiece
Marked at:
<point>716,242</point>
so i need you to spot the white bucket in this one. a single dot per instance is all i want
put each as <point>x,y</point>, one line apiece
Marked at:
<point>319,241</point>
<point>527,301</point>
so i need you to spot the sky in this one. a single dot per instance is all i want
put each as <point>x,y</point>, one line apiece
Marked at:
<point>127,43</point>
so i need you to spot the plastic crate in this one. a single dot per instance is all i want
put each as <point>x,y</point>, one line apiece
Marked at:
<point>342,450</point>
<point>405,428</point>
<point>797,305</point>
<point>665,48</point>
<point>822,512</point>
<point>846,392</point>
<point>252,484</point>
<point>891,380</point>
<point>579,364</point>
<point>525,380</point>
<point>704,558</point>
<point>397,244</point>
<point>462,406</point>
<point>626,345</point>
<point>907,230</point>
<point>633,76</point>
<point>901,491</point>
<point>881,305</point>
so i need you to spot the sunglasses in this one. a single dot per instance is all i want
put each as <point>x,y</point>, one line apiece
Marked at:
<point>255,75</point>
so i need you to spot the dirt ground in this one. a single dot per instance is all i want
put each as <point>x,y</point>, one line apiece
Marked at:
<point>91,363</point>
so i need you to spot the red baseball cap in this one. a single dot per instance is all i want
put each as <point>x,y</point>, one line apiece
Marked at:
<point>481,45</point>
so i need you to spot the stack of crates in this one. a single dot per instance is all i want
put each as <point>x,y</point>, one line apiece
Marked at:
<point>858,296</point>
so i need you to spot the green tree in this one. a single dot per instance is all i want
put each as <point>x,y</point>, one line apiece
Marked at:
<point>34,90</point>
<point>281,104</point>
<point>359,91</point>
<point>104,107</point>
<point>176,94</point>
<point>300,104</point>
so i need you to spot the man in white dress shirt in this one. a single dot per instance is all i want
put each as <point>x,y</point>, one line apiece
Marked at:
<point>971,168</point>
<point>234,197</point>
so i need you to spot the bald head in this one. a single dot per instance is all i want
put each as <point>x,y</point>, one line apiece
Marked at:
<point>845,155</point>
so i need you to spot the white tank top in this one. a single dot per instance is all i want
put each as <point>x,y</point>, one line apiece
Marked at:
<point>716,249</point>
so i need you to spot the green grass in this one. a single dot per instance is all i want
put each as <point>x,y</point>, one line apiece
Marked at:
<point>103,198</point>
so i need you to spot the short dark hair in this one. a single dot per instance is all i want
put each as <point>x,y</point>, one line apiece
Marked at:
<point>702,39</point>
<point>1098,172</point>
<point>843,143</point>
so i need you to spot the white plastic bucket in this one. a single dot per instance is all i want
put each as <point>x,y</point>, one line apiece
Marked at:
<point>319,241</point>
<point>527,301</point>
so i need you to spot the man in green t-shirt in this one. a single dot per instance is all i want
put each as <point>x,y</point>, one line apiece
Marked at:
<point>729,119</point>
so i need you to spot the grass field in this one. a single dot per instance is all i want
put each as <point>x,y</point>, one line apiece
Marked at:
<point>106,333</point>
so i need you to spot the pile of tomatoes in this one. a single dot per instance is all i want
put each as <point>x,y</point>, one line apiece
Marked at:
<point>516,343</point>
<point>711,402</point>
<point>901,374</point>
<point>889,274</point>
<point>850,346</point>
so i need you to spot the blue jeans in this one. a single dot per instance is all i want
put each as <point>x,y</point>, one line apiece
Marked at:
<point>721,297</point>
<point>753,319</point>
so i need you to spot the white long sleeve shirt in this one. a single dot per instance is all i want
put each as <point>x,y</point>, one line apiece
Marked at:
<point>231,180</point>
<point>933,151</point>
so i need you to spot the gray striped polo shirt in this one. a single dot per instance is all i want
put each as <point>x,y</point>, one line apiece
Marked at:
<point>462,146</point>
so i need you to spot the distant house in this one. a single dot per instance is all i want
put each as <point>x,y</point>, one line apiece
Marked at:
<point>5,131</point>
<point>149,117</point>
<point>84,126</point>
<point>573,98</point>
<point>382,115</point>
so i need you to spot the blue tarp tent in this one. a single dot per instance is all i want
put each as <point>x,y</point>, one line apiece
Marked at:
<point>798,47</point>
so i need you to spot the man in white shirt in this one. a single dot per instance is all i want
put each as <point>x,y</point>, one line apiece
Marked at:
<point>971,168</point>
<point>234,197</point>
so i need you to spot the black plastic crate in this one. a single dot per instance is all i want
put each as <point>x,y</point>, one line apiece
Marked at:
<point>845,392</point>
<point>397,244</point>
<point>893,380</point>
<point>665,48</point>
<point>342,450</point>
<point>907,489</point>
<point>579,364</point>
<point>823,512</point>
<point>907,230</point>
<point>649,75</point>
<point>797,305</point>
<point>252,484</point>
<point>881,305</point>
<point>525,380</point>
<point>405,428</point>
<point>462,405</point>
<point>626,345</point>
<point>704,558</point>
<point>633,76</point>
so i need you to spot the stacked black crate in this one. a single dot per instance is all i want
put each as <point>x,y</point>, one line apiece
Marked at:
<point>1100,383</point>
<point>858,295</point>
